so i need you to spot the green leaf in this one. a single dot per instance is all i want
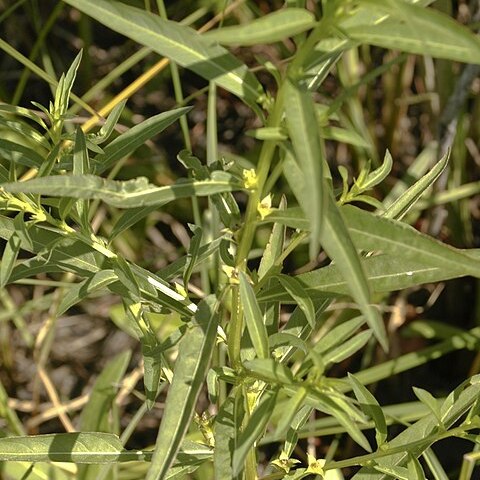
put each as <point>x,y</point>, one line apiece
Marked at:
<point>178,42</point>
<point>253,318</point>
<point>193,251</point>
<point>225,430</point>
<point>342,411</point>
<point>289,411</point>
<point>9,257</point>
<point>83,448</point>
<point>64,88</point>
<point>72,255</point>
<point>347,349</point>
<point>406,201</point>
<point>414,29</point>
<point>128,142</point>
<point>255,427</point>
<point>338,335</point>
<point>127,194</point>
<point>430,401</point>
<point>415,470</point>
<point>96,413</point>
<point>191,367</point>
<point>336,241</point>
<point>462,399</point>
<point>107,128</point>
<point>344,135</point>
<point>269,370</point>
<point>100,413</point>
<point>76,293</point>
<point>268,28</point>
<point>16,153</point>
<point>303,130</point>
<point>397,239</point>
<point>81,165</point>
<point>370,407</point>
<point>130,218</point>
<point>125,274</point>
<point>296,291</point>
<point>274,246</point>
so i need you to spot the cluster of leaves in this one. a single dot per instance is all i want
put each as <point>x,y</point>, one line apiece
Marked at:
<point>271,373</point>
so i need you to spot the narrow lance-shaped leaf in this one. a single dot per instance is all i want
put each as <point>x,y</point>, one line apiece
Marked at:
<point>304,133</point>
<point>79,447</point>
<point>337,243</point>
<point>288,414</point>
<point>77,292</point>
<point>268,28</point>
<point>95,415</point>
<point>430,401</point>
<point>274,246</point>
<point>398,239</point>
<point>347,349</point>
<point>253,317</point>
<point>193,251</point>
<point>177,42</point>
<point>370,407</point>
<point>296,291</point>
<point>128,142</point>
<point>128,194</point>
<point>461,400</point>
<point>412,28</point>
<point>190,371</point>
<point>9,257</point>
<point>396,269</point>
<point>226,428</point>
<point>415,470</point>
<point>100,415</point>
<point>406,201</point>
<point>256,424</point>
<point>81,166</point>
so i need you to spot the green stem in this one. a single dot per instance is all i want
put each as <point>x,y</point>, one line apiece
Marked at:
<point>235,329</point>
<point>263,167</point>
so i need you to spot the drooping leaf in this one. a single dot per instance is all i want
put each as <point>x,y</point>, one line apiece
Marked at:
<point>336,241</point>
<point>178,42</point>
<point>21,154</point>
<point>225,430</point>
<point>348,348</point>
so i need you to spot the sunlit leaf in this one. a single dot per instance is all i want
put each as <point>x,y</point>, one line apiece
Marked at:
<point>178,42</point>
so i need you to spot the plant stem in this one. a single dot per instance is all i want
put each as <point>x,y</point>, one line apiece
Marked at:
<point>263,167</point>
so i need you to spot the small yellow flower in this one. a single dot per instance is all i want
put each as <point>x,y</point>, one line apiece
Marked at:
<point>250,180</point>
<point>265,206</point>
